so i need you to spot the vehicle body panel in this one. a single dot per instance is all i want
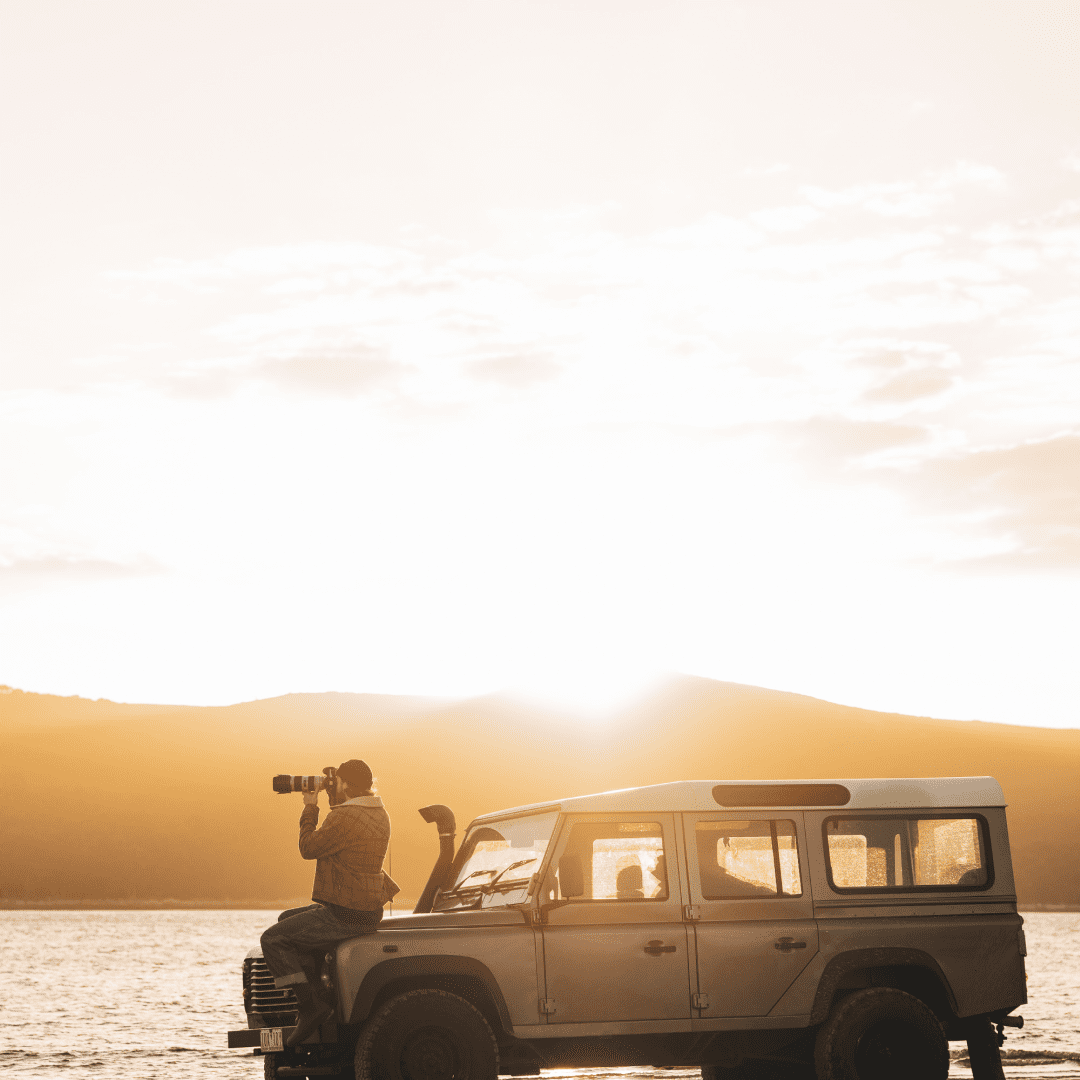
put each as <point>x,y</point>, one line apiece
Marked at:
<point>973,936</point>
<point>611,961</point>
<point>744,964</point>
<point>504,946</point>
<point>688,795</point>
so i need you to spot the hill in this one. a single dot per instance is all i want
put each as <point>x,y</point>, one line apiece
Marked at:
<point>141,803</point>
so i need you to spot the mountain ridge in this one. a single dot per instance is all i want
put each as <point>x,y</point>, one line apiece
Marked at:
<point>175,802</point>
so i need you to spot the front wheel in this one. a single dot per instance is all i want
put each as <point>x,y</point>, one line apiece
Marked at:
<point>881,1034</point>
<point>275,1061</point>
<point>427,1035</point>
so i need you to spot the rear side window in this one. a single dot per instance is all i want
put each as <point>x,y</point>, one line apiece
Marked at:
<point>740,860</point>
<point>908,853</point>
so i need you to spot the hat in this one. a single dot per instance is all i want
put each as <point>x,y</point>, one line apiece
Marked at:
<point>355,773</point>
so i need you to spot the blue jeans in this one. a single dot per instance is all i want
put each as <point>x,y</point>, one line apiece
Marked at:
<point>314,928</point>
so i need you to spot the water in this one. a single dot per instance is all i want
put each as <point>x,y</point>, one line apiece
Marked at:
<point>136,995</point>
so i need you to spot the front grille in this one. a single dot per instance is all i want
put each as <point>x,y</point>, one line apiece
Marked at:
<point>266,1005</point>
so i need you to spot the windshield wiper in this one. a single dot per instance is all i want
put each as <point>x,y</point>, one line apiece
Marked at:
<point>512,866</point>
<point>490,885</point>
<point>467,876</point>
<point>463,904</point>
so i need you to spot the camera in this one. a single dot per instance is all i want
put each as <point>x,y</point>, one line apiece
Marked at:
<point>284,783</point>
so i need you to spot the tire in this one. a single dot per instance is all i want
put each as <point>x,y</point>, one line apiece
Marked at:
<point>427,1035</point>
<point>272,1062</point>
<point>881,1034</point>
<point>984,1050</point>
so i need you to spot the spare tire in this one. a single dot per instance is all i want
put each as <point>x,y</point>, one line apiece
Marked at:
<point>881,1034</point>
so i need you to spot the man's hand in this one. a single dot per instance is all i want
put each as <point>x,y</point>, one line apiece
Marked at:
<point>311,798</point>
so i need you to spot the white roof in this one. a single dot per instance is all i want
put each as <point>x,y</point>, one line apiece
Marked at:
<point>930,792</point>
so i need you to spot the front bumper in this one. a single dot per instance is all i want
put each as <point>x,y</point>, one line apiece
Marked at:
<point>244,1037</point>
<point>271,1040</point>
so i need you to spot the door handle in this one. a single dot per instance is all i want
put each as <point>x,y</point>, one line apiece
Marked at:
<point>655,948</point>
<point>786,944</point>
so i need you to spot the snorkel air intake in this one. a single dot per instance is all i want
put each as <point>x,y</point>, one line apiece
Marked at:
<point>443,817</point>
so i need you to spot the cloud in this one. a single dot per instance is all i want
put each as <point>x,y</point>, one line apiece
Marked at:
<point>341,372</point>
<point>888,200</point>
<point>911,386</point>
<point>795,310</point>
<point>295,285</point>
<point>1025,498</point>
<point>344,375</point>
<point>911,198</point>
<point>786,218</point>
<point>289,265</point>
<point>836,441</point>
<point>72,568</point>
<point>891,354</point>
<point>515,372</point>
<point>202,385</point>
<point>776,169</point>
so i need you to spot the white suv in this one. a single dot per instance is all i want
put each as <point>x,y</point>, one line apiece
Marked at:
<point>840,928</point>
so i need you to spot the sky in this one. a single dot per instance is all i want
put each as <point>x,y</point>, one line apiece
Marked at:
<point>546,347</point>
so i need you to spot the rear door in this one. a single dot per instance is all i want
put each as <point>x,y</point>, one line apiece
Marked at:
<point>754,929</point>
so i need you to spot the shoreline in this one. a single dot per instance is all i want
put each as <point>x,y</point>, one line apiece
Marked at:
<point>400,906</point>
<point>167,904</point>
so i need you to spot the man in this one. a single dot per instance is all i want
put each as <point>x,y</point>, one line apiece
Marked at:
<point>659,871</point>
<point>349,891</point>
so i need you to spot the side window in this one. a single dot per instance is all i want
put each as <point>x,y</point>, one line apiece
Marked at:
<point>906,853</point>
<point>745,859</point>
<point>617,860</point>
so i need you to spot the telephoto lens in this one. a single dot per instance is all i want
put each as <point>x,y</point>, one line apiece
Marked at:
<point>285,784</point>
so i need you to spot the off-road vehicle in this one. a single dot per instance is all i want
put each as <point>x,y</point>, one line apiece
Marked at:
<point>843,929</point>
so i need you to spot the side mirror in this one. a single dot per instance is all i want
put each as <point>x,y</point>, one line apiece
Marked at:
<point>571,878</point>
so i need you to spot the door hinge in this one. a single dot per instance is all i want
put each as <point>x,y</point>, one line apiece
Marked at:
<point>700,1001</point>
<point>691,913</point>
<point>547,1006</point>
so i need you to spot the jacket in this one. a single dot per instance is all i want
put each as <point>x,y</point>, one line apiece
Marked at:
<point>349,848</point>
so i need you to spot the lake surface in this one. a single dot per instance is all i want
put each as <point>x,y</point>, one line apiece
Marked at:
<point>137,995</point>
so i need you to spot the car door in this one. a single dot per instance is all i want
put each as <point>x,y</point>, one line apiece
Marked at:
<point>754,930</point>
<point>617,948</point>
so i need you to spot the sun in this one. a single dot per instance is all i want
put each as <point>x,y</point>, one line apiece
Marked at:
<point>588,688</point>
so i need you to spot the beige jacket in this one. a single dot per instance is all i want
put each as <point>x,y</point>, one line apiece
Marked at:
<point>350,848</point>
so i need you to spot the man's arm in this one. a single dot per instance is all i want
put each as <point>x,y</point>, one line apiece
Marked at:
<point>316,843</point>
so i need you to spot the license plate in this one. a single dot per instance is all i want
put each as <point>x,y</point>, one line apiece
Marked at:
<point>270,1040</point>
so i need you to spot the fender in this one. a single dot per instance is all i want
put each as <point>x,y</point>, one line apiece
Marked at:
<point>439,966</point>
<point>847,962</point>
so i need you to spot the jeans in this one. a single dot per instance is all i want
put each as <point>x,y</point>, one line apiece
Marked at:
<point>310,929</point>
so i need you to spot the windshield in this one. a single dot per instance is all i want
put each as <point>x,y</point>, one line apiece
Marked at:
<point>502,852</point>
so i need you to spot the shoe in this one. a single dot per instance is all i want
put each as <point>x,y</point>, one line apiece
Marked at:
<point>313,1013</point>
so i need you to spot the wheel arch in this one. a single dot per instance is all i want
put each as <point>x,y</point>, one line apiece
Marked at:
<point>461,975</point>
<point>911,970</point>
